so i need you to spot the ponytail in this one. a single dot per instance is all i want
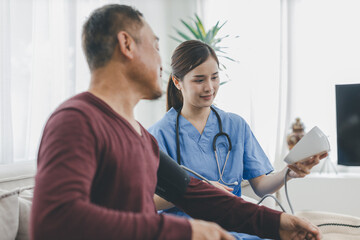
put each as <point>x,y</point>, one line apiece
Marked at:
<point>173,96</point>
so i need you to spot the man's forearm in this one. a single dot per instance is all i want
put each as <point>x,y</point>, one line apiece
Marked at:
<point>207,202</point>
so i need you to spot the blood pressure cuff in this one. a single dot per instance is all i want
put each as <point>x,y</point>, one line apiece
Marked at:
<point>172,180</point>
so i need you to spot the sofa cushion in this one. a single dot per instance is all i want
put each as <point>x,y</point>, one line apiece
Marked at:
<point>15,207</point>
<point>25,200</point>
<point>9,214</point>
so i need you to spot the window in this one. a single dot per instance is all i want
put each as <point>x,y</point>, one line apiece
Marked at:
<point>42,63</point>
<point>291,54</point>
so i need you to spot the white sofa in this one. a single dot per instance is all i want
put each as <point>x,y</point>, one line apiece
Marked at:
<point>16,191</point>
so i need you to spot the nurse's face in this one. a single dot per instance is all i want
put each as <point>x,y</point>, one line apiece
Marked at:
<point>199,86</point>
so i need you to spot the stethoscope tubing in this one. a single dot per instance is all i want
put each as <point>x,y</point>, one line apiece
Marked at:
<point>220,133</point>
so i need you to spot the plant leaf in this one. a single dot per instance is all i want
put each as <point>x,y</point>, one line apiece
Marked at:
<point>196,30</point>
<point>215,28</point>
<point>218,28</point>
<point>219,50</point>
<point>223,82</point>
<point>201,36</point>
<point>191,29</point>
<point>218,40</point>
<point>223,67</point>
<point>228,58</point>
<point>176,39</point>
<point>201,26</point>
<point>209,38</point>
<point>183,35</point>
<point>213,33</point>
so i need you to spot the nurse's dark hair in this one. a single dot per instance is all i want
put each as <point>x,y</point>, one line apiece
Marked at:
<point>187,56</point>
<point>99,33</point>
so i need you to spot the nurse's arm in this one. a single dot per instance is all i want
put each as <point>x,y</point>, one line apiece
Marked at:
<point>162,204</point>
<point>267,184</point>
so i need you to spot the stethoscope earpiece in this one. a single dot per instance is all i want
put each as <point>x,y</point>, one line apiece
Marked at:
<point>220,133</point>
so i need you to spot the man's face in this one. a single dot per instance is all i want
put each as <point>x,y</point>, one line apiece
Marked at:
<point>148,63</point>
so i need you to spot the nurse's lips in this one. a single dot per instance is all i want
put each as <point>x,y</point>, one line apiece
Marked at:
<point>207,97</point>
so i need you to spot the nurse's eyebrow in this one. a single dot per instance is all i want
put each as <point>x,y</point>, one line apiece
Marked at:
<point>204,75</point>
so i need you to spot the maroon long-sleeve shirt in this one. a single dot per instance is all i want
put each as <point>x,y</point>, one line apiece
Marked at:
<point>97,176</point>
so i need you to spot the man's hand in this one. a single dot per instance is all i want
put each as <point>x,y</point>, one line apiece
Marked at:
<point>294,228</point>
<point>202,230</point>
<point>303,168</point>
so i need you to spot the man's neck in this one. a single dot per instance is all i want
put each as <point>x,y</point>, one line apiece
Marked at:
<point>116,90</point>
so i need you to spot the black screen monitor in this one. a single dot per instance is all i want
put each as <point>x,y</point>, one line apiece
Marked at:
<point>348,124</point>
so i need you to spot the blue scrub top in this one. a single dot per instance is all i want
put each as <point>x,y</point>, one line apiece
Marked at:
<point>247,160</point>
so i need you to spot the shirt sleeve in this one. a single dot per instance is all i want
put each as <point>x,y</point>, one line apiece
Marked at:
<point>256,163</point>
<point>62,208</point>
<point>207,202</point>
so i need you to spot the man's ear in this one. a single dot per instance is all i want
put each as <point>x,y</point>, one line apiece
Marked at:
<point>126,44</point>
<point>176,82</point>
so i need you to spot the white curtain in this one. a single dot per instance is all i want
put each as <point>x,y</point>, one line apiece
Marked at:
<point>291,54</point>
<point>6,148</point>
<point>39,50</point>
<point>42,63</point>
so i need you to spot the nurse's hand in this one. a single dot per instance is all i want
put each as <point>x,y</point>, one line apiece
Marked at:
<point>222,186</point>
<point>202,230</point>
<point>295,228</point>
<point>303,168</point>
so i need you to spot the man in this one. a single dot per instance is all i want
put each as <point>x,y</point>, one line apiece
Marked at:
<point>97,165</point>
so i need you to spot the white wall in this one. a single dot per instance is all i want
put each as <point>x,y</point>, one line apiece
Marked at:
<point>324,50</point>
<point>327,192</point>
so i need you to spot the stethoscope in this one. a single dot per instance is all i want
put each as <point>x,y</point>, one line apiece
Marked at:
<point>220,133</point>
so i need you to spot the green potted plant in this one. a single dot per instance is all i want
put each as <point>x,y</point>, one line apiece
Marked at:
<point>197,31</point>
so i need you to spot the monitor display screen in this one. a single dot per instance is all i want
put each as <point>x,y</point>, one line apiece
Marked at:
<point>348,124</point>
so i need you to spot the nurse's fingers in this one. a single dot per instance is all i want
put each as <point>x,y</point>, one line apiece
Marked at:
<point>324,155</point>
<point>221,186</point>
<point>298,173</point>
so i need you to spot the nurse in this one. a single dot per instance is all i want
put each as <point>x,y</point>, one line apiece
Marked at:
<point>216,144</point>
